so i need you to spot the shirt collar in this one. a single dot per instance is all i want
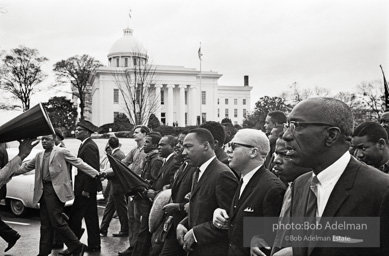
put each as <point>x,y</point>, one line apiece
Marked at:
<point>168,157</point>
<point>82,143</point>
<point>247,177</point>
<point>152,152</point>
<point>114,150</point>
<point>334,171</point>
<point>385,167</point>
<point>205,165</point>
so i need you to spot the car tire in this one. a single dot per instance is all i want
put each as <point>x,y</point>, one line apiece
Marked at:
<point>17,207</point>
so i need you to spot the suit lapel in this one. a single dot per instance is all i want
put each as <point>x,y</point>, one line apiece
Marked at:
<point>340,192</point>
<point>165,167</point>
<point>53,152</point>
<point>181,174</point>
<point>247,191</point>
<point>82,146</point>
<point>204,176</point>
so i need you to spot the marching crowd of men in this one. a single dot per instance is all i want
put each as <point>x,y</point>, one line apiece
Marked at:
<point>310,163</point>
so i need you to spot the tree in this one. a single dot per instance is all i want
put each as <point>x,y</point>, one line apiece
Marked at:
<point>372,95</point>
<point>62,113</point>
<point>296,94</point>
<point>153,122</point>
<point>121,123</point>
<point>21,73</point>
<point>263,106</point>
<point>134,84</point>
<point>77,70</point>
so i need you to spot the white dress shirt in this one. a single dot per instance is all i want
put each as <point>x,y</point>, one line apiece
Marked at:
<point>204,166</point>
<point>328,179</point>
<point>247,177</point>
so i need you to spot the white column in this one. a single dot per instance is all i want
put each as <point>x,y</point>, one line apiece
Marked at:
<point>193,108</point>
<point>158,101</point>
<point>170,105</point>
<point>181,118</point>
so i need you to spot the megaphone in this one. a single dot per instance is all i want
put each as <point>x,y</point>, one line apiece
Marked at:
<point>30,124</point>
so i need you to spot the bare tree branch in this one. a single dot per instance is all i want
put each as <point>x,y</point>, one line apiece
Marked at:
<point>135,86</point>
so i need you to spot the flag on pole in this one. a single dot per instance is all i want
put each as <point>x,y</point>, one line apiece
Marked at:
<point>199,53</point>
<point>386,91</point>
<point>129,13</point>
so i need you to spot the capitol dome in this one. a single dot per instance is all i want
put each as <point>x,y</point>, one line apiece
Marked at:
<point>126,48</point>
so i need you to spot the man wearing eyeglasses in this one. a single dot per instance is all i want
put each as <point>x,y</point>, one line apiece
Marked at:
<point>259,194</point>
<point>370,142</point>
<point>213,187</point>
<point>318,136</point>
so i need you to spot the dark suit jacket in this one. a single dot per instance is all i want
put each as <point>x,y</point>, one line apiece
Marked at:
<point>215,189</point>
<point>115,185</point>
<point>166,174</point>
<point>180,187</point>
<point>362,191</point>
<point>264,195</point>
<point>89,152</point>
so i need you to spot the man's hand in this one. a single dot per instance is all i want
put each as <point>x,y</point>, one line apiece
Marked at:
<point>25,147</point>
<point>151,194</point>
<point>86,194</point>
<point>186,207</point>
<point>189,241</point>
<point>171,208</point>
<point>257,243</point>
<point>180,233</point>
<point>288,251</point>
<point>101,176</point>
<point>220,219</point>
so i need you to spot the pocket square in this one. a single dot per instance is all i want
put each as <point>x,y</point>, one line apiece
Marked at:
<point>248,209</point>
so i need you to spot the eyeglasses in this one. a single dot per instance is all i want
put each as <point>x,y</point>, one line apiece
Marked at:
<point>292,125</point>
<point>233,145</point>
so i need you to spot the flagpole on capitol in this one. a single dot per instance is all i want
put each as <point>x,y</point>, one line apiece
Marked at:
<point>201,93</point>
<point>386,91</point>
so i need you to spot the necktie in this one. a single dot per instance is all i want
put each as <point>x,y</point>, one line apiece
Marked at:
<point>237,193</point>
<point>180,171</point>
<point>312,198</point>
<point>195,179</point>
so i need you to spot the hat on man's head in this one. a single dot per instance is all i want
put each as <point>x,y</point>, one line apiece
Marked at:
<point>87,126</point>
<point>59,133</point>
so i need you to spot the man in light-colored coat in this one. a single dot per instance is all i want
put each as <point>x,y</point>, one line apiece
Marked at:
<point>53,187</point>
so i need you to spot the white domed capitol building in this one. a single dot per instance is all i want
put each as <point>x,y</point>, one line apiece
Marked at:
<point>172,93</point>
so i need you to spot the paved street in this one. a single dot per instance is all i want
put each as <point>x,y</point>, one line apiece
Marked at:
<point>29,226</point>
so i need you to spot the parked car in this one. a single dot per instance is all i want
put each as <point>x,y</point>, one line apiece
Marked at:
<point>20,189</point>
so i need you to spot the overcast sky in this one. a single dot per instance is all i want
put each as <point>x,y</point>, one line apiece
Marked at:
<point>334,44</point>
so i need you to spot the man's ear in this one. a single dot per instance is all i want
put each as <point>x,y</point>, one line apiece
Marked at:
<point>206,145</point>
<point>216,144</point>
<point>333,134</point>
<point>381,143</point>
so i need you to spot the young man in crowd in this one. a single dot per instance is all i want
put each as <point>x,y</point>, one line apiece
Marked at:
<point>274,119</point>
<point>135,160</point>
<point>370,142</point>
<point>150,172</point>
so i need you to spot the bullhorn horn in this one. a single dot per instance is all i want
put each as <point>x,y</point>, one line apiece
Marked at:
<point>30,124</point>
